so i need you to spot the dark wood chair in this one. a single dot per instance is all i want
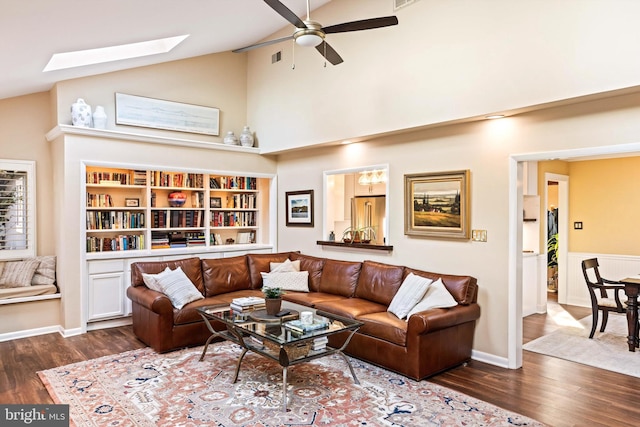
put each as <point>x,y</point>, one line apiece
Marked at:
<point>600,298</point>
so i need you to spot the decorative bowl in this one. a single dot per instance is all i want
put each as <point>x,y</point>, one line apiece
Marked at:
<point>177,199</point>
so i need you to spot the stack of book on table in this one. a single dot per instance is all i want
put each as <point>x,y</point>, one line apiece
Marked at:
<point>319,343</point>
<point>246,304</point>
<point>298,326</point>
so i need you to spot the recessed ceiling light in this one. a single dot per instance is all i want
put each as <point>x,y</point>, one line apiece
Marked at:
<point>60,61</point>
<point>495,116</point>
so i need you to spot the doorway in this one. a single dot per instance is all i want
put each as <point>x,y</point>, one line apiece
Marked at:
<point>556,202</point>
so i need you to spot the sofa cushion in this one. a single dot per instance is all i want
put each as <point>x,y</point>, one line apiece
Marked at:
<point>350,307</point>
<point>310,299</point>
<point>379,282</point>
<point>290,281</point>
<point>177,286</point>
<point>313,265</point>
<point>384,325</point>
<point>259,263</point>
<point>225,275</point>
<point>437,296</point>
<point>463,288</point>
<point>410,293</point>
<point>190,266</point>
<point>340,277</point>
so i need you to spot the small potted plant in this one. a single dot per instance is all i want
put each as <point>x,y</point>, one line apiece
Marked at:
<point>272,300</point>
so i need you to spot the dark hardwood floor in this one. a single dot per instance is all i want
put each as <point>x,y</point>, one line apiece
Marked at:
<point>553,391</point>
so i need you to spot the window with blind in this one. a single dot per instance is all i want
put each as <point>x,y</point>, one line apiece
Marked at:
<point>17,209</point>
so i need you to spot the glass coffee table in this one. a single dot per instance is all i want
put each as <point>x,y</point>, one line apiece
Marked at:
<point>272,337</point>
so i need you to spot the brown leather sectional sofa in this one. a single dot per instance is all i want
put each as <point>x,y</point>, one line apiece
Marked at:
<point>428,343</point>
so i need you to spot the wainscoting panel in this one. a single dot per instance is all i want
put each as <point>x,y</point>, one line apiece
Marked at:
<point>612,267</point>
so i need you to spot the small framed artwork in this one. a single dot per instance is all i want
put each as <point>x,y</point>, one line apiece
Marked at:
<point>132,203</point>
<point>437,204</point>
<point>215,202</point>
<point>244,237</point>
<point>299,208</point>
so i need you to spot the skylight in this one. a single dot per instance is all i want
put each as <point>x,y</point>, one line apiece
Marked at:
<point>60,61</point>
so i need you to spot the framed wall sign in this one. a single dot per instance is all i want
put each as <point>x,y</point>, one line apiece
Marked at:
<point>159,114</point>
<point>132,203</point>
<point>299,208</point>
<point>437,204</point>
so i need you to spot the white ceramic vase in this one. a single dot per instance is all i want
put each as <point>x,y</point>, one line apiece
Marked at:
<point>81,113</point>
<point>231,139</point>
<point>246,137</point>
<point>100,118</point>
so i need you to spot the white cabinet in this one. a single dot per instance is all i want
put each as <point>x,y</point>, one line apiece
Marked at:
<point>379,189</point>
<point>106,290</point>
<point>529,284</point>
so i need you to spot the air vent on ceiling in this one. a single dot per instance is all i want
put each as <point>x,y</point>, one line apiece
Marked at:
<point>397,4</point>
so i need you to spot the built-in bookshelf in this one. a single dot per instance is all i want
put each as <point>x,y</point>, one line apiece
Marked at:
<point>134,210</point>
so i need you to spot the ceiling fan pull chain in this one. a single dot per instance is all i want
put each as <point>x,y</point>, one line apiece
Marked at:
<point>293,56</point>
<point>325,53</point>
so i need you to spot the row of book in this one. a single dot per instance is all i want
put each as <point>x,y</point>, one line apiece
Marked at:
<point>119,243</point>
<point>114,220</point>
<point>233,183</point>
<point>113,178</point>
<point>241,201</point>
<point>233,219</point>
<point>99,201</point>
<point>179,179</point>
<point>177,219</point>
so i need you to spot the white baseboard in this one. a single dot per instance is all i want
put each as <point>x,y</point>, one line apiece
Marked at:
<point>71,332</point>
<point>489,358</point>
<point>30,333</point>
<point>113,323</point>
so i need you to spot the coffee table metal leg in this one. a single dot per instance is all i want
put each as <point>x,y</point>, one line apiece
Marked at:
<point>235,377</point>
<point>206,345</point>
<point>353,373</point>
<point>284,389</point>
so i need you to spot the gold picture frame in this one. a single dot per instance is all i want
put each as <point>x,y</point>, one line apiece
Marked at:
<point>437,204</point>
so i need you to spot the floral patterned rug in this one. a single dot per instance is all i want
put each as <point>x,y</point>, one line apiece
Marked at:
<point>144,388</point>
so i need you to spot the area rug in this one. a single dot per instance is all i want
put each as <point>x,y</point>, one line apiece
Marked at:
<point>606,350</point>
<point>143,388</point>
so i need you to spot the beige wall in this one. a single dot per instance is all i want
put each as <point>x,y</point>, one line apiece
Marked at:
<point>218,80</point>
<point>604,195</point>
<point>445,61</point>
<point>482,147</point>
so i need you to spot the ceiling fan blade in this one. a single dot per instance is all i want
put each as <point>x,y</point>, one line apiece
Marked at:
<point>267,43</point>
<point>328,52</point>
<point>365,24</point>
<point>286,13</point>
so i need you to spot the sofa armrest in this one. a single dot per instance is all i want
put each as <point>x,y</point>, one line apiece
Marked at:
<point>440,318</point>
<point>152,300</point>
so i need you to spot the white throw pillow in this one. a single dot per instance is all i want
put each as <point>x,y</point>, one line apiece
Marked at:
<point>287,266</point>
<point>46,272</point>
<point>151,280</point>
<point>437,296</point>
<point>292,281</point>
<point>411,291</point>
<point>177,286</point>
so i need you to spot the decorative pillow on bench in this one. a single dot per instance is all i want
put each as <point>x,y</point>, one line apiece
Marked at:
<point>40,270</point>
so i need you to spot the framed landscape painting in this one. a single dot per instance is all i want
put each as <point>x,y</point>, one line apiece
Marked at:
<point>299,208</point>
<point>437,204</point>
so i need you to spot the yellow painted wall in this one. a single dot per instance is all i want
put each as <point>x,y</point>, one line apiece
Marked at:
<point>605,196</point>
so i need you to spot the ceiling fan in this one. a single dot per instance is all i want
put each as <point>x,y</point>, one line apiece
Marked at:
<point>311,33</point>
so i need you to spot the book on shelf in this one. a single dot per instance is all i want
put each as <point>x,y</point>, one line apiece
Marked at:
<point>298,326</point>
<point>221,308</point>
<point>247,301</point>
<point>319,343</point>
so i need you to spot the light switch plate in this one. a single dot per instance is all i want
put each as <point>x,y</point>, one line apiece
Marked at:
<point>479,235</point>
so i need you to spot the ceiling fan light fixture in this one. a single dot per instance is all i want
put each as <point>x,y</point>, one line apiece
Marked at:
<point>309,37</point>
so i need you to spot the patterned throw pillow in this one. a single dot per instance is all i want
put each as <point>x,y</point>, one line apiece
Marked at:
<point>437,296</point>
<point>410,293</point>
<point>18,273</point>
<point>46,272</point>
<point>151,280</point>
<point>292,281</point>
<point>177,286</point>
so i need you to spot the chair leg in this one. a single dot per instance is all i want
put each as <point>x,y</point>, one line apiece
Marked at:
<point>605,318</point>
<point>594,321</point>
